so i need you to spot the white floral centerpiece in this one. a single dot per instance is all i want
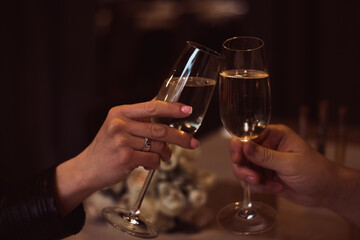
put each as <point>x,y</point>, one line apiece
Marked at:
<point>176,196</point>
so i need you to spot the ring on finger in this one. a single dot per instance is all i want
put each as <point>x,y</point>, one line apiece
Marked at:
<point>147,144</point>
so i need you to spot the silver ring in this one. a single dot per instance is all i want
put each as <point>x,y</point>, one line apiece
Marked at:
<point>147,145</point>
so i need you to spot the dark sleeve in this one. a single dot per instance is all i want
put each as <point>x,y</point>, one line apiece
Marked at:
<point>28,211</point>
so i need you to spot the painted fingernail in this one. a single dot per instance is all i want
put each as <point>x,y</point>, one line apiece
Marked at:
<point>186,109</point>
<point>194,143</point>
<point>249,179</point>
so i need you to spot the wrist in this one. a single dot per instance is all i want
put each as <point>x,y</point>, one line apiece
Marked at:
<point>335,183</point>
<point>71,185</point>
<point>344,197</point>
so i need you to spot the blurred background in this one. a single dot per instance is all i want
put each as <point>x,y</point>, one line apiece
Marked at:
<point>65,63</point>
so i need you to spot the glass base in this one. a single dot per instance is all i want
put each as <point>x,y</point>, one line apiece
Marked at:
<point>260,218</point>
<point>132,224</point>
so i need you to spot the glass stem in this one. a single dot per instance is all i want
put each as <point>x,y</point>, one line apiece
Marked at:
<point>135,210</point>
<point>246,203</point>
<point>246,210</point>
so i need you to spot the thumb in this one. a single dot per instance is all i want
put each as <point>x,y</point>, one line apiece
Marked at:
<point>264,157</point>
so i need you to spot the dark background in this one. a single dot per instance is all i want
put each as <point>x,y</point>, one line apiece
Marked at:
<point>65,63</point>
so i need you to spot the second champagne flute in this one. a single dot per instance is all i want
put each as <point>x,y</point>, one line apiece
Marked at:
<point>192,81</point>
<point>244,98</point>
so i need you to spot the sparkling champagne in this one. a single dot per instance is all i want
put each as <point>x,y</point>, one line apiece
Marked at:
<point>244,102</point>
<point>192,91</point>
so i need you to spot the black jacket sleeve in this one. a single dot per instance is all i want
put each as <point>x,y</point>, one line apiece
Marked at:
<point>28,211</point>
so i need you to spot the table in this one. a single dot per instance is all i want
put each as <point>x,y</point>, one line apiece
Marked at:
<point>295,222</point>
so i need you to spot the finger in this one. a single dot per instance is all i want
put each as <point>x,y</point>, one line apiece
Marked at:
<point>271,136</point>
<point>246,174</point>
<point>268,188</point>
<point>148,160</point>
<point>163,133</point>
<point>236,153</point>
<point>153,109</point>
<point>138,143</point>
<point>278,137</point>
<point>164,151</point>
<point>265,157</point>
<point>161,148</point>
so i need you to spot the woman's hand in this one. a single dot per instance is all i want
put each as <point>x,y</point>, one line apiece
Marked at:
<point>118,148</point>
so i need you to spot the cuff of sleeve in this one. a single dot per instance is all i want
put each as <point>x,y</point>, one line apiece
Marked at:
<point>29,210</point>
<point>62,226</point>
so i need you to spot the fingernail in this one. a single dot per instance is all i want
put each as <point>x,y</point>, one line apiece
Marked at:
<point>234,156</point>
<point>249,179</point>
<point>194,143</point>
<point>251,147</point>
<point>277,188</point>
<point>186,109</point>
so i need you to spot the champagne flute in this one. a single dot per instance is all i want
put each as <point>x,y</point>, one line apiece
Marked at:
<point>192,81</point>
<point>244,98</point>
